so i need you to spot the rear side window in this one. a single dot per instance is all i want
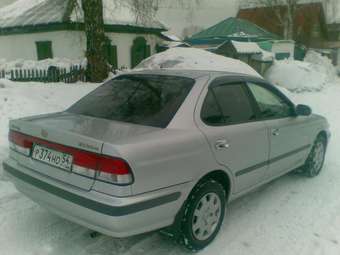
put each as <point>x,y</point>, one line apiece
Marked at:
<point>211,112</point>
<point>150,100</point>
<point>227,104</point>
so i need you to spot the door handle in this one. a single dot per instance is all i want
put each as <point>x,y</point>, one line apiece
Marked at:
<point>276,132</point>
<point>221,144</point>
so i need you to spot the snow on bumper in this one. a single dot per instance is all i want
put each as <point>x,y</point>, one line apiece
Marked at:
<point>114,216</point>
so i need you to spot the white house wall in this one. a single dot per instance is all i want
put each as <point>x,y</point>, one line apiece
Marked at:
<point>68,44</point>
<point>283,47</point>
<point>65,44</point>
<point>124,42</point>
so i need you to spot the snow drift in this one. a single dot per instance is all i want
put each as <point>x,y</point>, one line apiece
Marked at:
<point>195,59</point>
<point>40,65</point>
<point>315,73</point>
<point>322,63</point>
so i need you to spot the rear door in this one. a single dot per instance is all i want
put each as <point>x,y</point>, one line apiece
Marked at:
<point>238,141</point>
<point>288,137</point>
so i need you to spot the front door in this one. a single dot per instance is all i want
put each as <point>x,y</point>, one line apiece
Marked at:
<point>288,140</point>
<point>238,141</point>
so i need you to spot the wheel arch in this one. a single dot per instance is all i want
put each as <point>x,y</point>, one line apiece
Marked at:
<point>219,176</point>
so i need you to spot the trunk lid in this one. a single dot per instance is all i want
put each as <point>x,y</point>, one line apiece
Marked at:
<point>77,131</point>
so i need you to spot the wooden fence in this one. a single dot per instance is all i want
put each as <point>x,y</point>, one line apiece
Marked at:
<point>53,74</point>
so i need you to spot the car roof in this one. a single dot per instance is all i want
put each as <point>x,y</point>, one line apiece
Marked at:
<point>193,74</point>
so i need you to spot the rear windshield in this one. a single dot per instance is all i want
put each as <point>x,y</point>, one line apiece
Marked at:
<point>150,100</point>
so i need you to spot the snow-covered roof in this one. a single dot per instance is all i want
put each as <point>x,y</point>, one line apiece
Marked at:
<point>246,47</point>
<point>232,27</point>
<point>172,37</point>
<point>173,44</point>
<point>32,12</point>
<point>42,12</point>
<point>265,56</point>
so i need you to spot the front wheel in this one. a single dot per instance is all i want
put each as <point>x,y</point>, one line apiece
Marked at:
<point>316,158</point>
<point>203,215</point>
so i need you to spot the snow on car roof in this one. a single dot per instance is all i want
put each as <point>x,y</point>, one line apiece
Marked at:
<point>188,73</point>
<point>195,59</point>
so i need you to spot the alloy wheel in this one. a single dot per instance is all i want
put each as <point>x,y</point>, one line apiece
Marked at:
<point>206,216</point>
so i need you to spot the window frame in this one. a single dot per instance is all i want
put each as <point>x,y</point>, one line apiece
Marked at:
<point>141,76</point>
<point>40,45</point>
<point>227,82</point>
<point>277,93</point>
<point>233,79</point>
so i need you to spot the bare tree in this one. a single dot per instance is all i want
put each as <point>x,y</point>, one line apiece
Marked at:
<point>285,12</point>
<point>144,10</point>
<point>97,69</point>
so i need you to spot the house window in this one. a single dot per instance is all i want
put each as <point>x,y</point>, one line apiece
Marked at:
<point>139,51</point>
<point>112,56</point>
<point>44,50</point>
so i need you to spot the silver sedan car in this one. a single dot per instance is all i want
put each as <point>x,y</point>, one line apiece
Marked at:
<point>163,149</point>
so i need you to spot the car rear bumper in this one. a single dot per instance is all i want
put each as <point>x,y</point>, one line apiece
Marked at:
<point>114,216</point>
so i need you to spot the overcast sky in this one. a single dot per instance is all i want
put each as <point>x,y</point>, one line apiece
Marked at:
<point>207,13</point>
<point>4,2</point>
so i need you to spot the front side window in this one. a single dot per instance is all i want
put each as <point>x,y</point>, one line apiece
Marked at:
<point>227,104</point>
<point>270,104</point>
<point>150,100</point>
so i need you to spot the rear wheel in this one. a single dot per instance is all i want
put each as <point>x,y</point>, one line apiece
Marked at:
<point>316,158</point>
<point>203,215</point>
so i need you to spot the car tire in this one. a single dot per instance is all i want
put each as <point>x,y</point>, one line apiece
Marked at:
<point>203,215</point>
<point>316,158</point>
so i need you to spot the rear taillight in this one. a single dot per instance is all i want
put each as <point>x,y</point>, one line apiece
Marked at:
<point>114,170</point>
<point>19,143</point>
<point>102,168</point>
<point>108,169</point>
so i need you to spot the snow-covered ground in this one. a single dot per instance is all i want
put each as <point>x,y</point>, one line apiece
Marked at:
<point>293,215</point>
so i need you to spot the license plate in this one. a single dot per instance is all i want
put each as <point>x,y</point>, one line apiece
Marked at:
<point>52,157</point>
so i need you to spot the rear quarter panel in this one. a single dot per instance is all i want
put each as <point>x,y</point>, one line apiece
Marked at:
<point>165,158</point>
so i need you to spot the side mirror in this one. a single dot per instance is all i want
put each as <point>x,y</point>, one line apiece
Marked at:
<point>303,110</point>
